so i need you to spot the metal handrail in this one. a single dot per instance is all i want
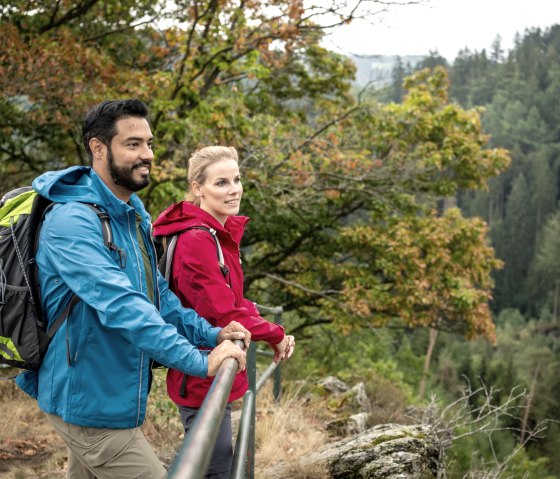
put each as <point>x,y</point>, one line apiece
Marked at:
<point>194,456</point>
<point>264,376</point>
<point>192,460</point>
<point>244,455</point>
<point>243,436</point>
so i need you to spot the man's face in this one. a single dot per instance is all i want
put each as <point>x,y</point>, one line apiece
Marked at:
<point>130,155</point>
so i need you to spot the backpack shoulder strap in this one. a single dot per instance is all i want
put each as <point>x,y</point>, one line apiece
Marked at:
<point>171,242</point>
<point>223,268</point>
<point>107,233</point>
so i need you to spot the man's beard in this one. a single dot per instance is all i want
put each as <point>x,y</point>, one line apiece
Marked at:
<point>122,176</point>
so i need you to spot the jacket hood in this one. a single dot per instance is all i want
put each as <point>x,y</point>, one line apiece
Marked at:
<point>82,184</point>
<point>184,214</point>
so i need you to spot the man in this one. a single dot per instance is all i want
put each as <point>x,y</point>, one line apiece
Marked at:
<point>94,380</point>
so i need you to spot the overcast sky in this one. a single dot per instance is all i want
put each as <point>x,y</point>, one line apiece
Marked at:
<point>444,25</point>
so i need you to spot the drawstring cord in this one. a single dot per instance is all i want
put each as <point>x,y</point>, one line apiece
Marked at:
<point>3,284</point>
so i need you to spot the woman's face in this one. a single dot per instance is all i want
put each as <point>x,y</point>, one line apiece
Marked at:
<point>220,194</point>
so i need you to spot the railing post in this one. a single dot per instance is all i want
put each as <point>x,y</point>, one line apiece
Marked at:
<point>252,377</point>
<point>277,388</point>
<point>242,444</point>
<point>244,467</point>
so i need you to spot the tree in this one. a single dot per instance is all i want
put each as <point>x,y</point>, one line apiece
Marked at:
<point>342,189</point>
<point>547,262</point>
<point>517,93</point>
<point>518,243</point>
<point>368,251</point>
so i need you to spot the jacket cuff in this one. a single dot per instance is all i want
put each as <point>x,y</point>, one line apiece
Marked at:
<point>212,337</point>
<point>283,334</point>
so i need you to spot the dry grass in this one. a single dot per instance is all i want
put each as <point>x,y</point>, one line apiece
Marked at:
<point>292,429</point>
<point>29,448</point>
<point>287,432</point>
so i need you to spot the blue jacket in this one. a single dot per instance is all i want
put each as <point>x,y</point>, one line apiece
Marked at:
<point>96,371</point>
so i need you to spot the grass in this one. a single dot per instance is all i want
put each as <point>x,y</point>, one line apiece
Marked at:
<point>286,432</point>
<point>30,449</point>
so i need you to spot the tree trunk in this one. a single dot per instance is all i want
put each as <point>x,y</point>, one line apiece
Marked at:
<point>529,403</point>
<point>555,304</point>
<point>427,361</point>
<point>448,202</point>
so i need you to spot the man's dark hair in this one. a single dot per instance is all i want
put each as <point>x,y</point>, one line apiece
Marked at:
<point>101,120</point>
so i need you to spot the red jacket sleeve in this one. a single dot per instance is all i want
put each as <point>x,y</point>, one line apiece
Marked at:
<point>200,284</point>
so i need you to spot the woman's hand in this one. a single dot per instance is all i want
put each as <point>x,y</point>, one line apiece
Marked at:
<point>284,349</point>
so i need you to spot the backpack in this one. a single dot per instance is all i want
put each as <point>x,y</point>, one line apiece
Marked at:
<point>166,250</point>
<point>24,335</point>
<point>165,247</point>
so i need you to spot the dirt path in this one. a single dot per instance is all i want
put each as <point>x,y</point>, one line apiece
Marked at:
<point>29,447</point>
<point>35,457</point>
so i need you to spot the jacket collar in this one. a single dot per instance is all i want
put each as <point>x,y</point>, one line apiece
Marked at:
<point>83,184</point>
<point>184,214</point>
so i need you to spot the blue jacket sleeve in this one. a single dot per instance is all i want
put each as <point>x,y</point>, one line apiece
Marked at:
<point>75,256</point>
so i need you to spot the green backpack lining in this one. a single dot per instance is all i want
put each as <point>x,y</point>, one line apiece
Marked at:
<point>24,335</point>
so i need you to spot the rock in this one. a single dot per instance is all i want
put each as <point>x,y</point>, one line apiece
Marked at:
<point>333,385</point>
<point>354,424</point>
<point>360,395</point>
<point>388,451</point>
<point>357,423</point>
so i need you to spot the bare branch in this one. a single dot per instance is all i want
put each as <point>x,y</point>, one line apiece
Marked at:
<point>461,419</point>
<point>323,294</point>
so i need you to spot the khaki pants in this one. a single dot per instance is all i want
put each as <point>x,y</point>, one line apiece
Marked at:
<point>107,453</point>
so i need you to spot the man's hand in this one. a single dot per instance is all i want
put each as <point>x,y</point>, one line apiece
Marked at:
<point>234,330</point>
<point>226,349</point>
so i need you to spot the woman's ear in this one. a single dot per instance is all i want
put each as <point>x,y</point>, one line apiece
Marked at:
<point>195,188</point>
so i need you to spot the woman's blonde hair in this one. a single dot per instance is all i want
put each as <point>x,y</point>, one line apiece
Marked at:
<point>199,162</point>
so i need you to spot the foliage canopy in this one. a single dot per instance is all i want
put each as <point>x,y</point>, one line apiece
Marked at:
<point>343,191</point>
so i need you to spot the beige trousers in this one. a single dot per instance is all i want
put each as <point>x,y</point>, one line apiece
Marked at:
<point>95,453</point>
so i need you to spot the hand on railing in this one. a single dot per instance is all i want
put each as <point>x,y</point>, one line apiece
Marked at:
<point>235,330</point>
<point>226,349</point>
<point>284,349</point>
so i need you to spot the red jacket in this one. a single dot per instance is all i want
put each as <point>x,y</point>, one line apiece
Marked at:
<point>199,283</point>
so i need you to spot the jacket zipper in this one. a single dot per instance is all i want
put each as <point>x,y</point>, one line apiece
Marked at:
<point>134,241</point>
<point>157,299</point>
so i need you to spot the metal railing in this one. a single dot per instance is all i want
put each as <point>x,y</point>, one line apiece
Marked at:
<point>191,462</point>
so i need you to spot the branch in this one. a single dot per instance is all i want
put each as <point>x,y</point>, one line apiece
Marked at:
<point>119,30</point>
<point>318,132</point>
<point>75,12</point>
<point>461,419</point>
<point>322,294</point>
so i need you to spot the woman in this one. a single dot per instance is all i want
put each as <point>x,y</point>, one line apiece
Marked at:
<point>214,292</point>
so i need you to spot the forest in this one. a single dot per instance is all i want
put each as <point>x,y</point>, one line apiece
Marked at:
<point>411,233</point>
<point>518,93</point>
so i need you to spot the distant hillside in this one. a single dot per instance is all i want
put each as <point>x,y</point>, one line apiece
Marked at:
<point>377,68</point>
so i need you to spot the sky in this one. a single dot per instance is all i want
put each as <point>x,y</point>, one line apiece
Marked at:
<point>444,25</point>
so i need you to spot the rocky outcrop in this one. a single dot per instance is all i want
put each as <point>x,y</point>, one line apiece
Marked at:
<point>388,451</point>
<point>360,448</point>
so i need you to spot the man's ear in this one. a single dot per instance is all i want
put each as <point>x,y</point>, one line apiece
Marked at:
<point>98,149</point>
